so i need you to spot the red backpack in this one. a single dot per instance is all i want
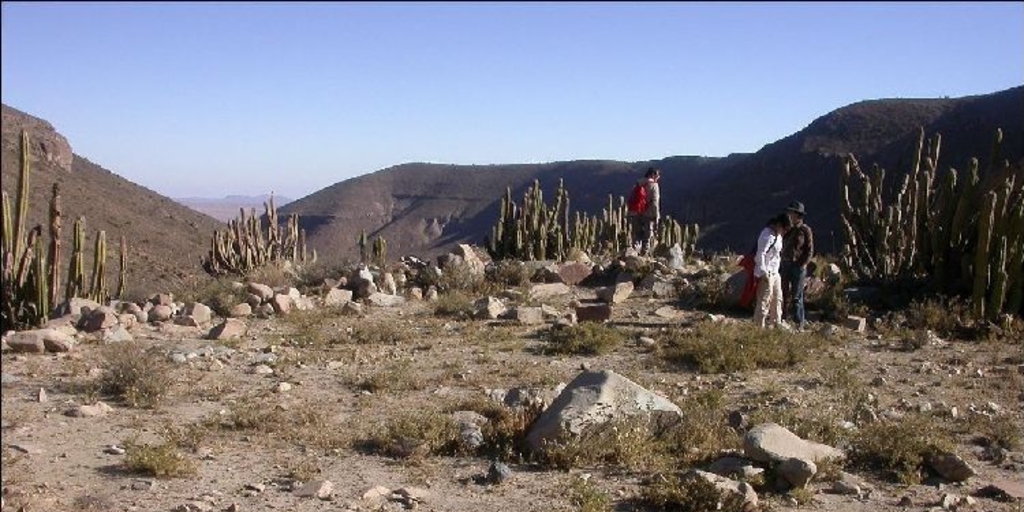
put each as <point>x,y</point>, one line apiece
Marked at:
<point>638,198</point>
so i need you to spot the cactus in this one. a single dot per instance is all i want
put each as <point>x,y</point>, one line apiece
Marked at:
<point>945,230</point>
<point>535,230</point>
<point>98,288</point>
<point>362,242</point>
<point>122,275</point>
<point>247,244</point>
<point>380,251</point>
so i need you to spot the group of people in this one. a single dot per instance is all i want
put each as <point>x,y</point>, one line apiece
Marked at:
<point>784,249</point>
<point>777,267</point>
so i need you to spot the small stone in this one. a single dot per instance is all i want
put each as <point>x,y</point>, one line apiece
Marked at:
<point>798,472</point>
<point>951,466</point>
<point>284,387</point>
<point>41,396</point>
<point>114,450</point>
<point>646,342</point>
<point>89,411</point>
<point>262,369</point>
<point>322,489</point>
<point>905,501</point>
<point>256,487</point>
<point>498,473</point>
<point>844,487</point>
<point>594,313</point>
<point>856,324</point>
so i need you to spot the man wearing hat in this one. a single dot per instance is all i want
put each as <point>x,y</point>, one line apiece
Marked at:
<point>797,251</point>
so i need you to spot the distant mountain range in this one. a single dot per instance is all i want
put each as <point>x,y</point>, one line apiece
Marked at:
<point>424,209</point>
<point>228,207</point>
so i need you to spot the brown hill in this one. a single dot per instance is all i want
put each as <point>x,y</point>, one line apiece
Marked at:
<point>425,208</point>
<point>165,239</point>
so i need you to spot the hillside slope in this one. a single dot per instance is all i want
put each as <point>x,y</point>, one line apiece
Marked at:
<point>425,208</point>
<point>165,238</point>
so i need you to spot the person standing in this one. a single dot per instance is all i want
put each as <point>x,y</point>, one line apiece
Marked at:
<point>767,258</point>
<point>797,251</point>
<point>645,209</point>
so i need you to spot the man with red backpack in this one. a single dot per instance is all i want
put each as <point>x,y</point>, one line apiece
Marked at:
<point>645,209</point>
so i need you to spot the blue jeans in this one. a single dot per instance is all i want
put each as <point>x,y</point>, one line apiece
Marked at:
<point>794,277</point>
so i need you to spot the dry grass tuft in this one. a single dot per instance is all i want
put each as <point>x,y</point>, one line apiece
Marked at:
<point>135,375</point>
<point>588,339</point>
<point>716,347</point>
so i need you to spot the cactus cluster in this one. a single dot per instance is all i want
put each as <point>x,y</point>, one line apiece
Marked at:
<point>251,242</point>
<point>534,230</point>
<point>31,271</point>
<point>962,234</point>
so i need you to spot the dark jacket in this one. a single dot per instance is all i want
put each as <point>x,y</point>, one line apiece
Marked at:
<point>798,245</point>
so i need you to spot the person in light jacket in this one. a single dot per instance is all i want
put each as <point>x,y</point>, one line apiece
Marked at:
<point>767,259</point>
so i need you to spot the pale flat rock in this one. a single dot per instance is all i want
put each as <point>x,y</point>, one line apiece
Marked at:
<point>770,442</point>
<point>728,485</point>
<point>548,291</point>
<point>592,399</point>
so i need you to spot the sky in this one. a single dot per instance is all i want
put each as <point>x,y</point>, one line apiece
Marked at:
<point>210,99</point>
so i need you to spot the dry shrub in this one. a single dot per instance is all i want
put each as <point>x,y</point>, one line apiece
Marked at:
<point>415,435</point>
<point>586,497</point>
<point>394,377</point>
<point>380,333</point>
<point>938,314</point>
<point>588,339</point>
<point>135,375</point>
<point>899,448</point>
<point>725,347</point>
<point>219,294</point>
<point>690,493</point>
<point>454,304</point>
<point>162,460</point>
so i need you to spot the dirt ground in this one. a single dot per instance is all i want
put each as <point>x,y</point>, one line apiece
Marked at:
<point>55,462</point>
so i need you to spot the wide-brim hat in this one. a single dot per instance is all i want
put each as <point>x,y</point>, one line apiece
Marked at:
<point>796,207</point>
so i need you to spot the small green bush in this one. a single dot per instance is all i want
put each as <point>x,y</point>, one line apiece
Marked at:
<point>380,333</point>
<point>723,347</point>
<point>158,460</point>
<point>690,493</point>
<point>139,377</point>
<point>588,339</point>
<point>899,448</point>
<point>586,497</point>
<point>416,435</point>
<point>454,304</point>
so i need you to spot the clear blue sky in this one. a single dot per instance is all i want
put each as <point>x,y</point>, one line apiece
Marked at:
<point>209,99</point>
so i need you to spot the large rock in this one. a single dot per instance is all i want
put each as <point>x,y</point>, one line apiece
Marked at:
<point>362,283</point>
<point>951,467</point>
<point>162,299</point>
<point>74,306</point>
<point>797,472</point>
<point>27,341</point>
<point>241,310</point>
<point>616,294</point>
<point>337,297</point>
<point>676,258</point>
<point>281,303</point>
<point>470,259</point>
<point>160,313</point>
<point>541,292</point>
<point>262,291</point>
<point>384,300</point>
<point>595,398</point>
<point>229,329</point>
<point>594,313</point>
<point>200,312</point>
<point>573,273</point>
<point>770,442</point>
<point>98,319</point>
<point>117,334</point>
<point>488,308</point>
<point>529,315</point>
<point>729,486</point>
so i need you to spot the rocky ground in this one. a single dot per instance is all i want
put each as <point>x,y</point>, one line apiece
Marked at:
<point>304,409</point>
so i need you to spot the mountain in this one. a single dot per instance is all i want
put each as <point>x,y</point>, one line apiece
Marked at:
<point>165,239</point>
<point>424,208</point>
<point>228,207</point>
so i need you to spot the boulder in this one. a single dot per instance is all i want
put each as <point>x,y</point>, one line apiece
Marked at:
<point>384,300</point>
<point>98,319</point>
<point>951,466</point>
<point>616,294</point>
<point>470,259</point>
<point>240,310</point>
<point>162,299</point>
<point>676,257</point>
<point>529,315</point>
<point>574,272</point>
<point>388,285</point>
<point>27,341</point>
<point>734,467</point>
<point>89,411</point>
<point>262,291</point>
<point>117,334</point>
<point>352,309</point>
<point>594,313</point>
<point>229,329</point>
<point>541,292</point>
<point>769,442</point>
<point>74,306</point>
<point>160,313</point>
<point>304,303</point>
<point>282,303</point>
<point>595,398</point>
<point>200,312</point>
<point>488,308</point>
<point>797,472</point>
<point>727,485</point>
<point>321,489</point>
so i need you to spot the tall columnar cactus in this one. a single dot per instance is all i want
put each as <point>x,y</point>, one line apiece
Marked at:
<point>122,275</point>
<point>248,244</point>
<point>941,228</point>
<point>76,269</point>
<point>31,265</point>
<point>98,286</point>
<point>538,231</point>
<point>380,251</point>
<point>364,248</point>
